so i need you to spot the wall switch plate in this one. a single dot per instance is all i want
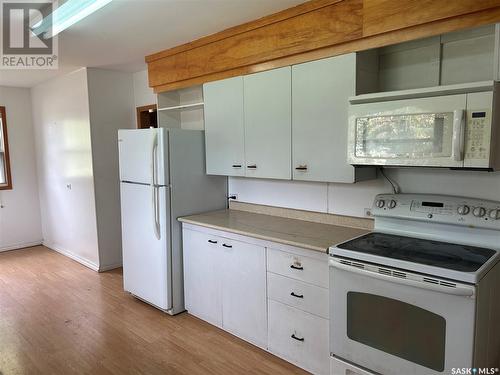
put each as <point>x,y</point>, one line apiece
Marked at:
<point>368,212</point>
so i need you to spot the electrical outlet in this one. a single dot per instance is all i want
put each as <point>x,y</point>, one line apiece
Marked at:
<point>368,212</point>
<point>233,197</point>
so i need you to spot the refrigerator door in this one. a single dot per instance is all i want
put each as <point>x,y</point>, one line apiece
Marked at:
<point>146,243</point>
<point>143,156</point>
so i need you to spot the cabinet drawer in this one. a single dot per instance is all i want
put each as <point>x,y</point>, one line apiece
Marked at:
<point>299,337</point>
<point>310,270</point>
<point>307,297</point>
<point>339,367</point>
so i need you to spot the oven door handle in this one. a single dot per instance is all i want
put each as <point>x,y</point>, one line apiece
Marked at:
<point>464,291</point>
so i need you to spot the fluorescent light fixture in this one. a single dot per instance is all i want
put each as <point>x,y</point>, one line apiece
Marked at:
<point>67,15</point>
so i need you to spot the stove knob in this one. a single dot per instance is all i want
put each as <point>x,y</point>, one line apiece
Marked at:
<point>392,203</point>
<point>495,214</point>
<point>380,203</point>
<point>463,210</point>
<point>479,212</point>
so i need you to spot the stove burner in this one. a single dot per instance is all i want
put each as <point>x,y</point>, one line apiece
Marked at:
<point>432,253</point>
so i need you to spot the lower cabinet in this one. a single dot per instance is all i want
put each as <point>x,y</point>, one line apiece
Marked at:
<point>202,282</point>
<point>244,302</point>
<point>225,284</point>
<point>275,297</point>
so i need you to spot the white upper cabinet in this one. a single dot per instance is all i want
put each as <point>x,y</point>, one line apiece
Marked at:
<point>267,103</point>
<point>319,119</point>
<point>224,127</point>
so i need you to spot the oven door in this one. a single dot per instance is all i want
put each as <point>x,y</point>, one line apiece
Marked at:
<point>413,132</point>
<point>394,323</point>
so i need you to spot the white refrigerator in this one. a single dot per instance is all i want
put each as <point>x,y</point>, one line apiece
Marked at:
<point>162,177</point>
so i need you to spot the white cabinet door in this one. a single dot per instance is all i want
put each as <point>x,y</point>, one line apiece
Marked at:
<point>268,124</point>
<point>202,269</point>
<point>320,119</point>
<point>244,291</point>
<point>224,127</point>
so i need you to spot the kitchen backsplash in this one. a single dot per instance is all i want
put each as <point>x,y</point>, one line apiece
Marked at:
<point>353,199</point>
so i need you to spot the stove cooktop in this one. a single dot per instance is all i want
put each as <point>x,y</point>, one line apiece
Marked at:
<point>446,255</point>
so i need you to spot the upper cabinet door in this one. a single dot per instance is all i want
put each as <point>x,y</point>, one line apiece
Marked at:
<point>321,90</point>
<point>268,124</point>
<point>224,127</point>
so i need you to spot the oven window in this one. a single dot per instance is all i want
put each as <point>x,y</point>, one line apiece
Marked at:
<point>424,135</point>
<point>397,328</point>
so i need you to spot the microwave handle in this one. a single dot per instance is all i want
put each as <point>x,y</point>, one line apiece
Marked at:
<point>462,291</point>
<point>458,135</point>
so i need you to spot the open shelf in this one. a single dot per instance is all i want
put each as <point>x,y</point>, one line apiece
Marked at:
<point>422,92</point>
<point>461,61</point>
<point>183,107</point>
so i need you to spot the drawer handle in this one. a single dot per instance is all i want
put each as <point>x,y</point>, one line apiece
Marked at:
<point>297,295</point>
<point>212,241</point>
<point>301,168</point>
<point>301,339</point>
<point>228,246</point>
<point>300,268</point>
<point>236,165</point>
<point>253,166</point>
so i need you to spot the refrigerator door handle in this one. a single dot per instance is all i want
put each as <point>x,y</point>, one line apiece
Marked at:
<point>154,152</point>
<point>156,211</point>
<point>154,188</point>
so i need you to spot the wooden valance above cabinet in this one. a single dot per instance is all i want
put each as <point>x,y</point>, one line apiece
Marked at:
<point>310,31</point>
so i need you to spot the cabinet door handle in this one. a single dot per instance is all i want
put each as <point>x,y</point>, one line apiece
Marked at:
<point>228,246</point>
<point>236,165</point>
<point>212,241</point>
<point>301,168</point>
<point>296,267</point>
<point>253,166</point>
<point>301,339</point>
<point>297,295</point>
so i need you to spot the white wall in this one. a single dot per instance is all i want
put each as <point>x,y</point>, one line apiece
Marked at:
<point>352,199</point>
<point>64,160</point>
<point>111,98</point>
<point>20,224</point>
<point>143,94</point>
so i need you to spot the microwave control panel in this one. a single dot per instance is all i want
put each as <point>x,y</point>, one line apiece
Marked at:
<point>477,134</point>
<point>440,209</point>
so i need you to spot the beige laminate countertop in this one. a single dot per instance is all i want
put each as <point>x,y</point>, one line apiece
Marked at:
<point>300,233</point>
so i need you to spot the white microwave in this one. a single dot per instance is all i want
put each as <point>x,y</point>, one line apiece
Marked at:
<point>453,131</point>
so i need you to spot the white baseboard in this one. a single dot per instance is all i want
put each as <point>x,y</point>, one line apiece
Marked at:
<point>20,245</point>
<point>110,267</point>
<point>77,258</point>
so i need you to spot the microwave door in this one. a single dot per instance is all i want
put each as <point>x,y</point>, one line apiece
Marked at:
<point>422,139</point>
<point>426,132</point>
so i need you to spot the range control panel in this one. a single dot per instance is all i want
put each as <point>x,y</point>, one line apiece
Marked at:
<point>439,208</point>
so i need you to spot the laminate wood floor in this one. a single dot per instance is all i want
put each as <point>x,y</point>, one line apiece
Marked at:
<point>59,317</point>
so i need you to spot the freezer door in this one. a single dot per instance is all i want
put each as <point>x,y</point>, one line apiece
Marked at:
<point>146,243</point>
<point>143,156</point>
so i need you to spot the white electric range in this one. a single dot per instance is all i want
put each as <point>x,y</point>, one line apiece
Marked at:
<point>420,294</point>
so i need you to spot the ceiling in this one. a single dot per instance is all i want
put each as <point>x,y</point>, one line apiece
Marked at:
<point>119,35</point>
